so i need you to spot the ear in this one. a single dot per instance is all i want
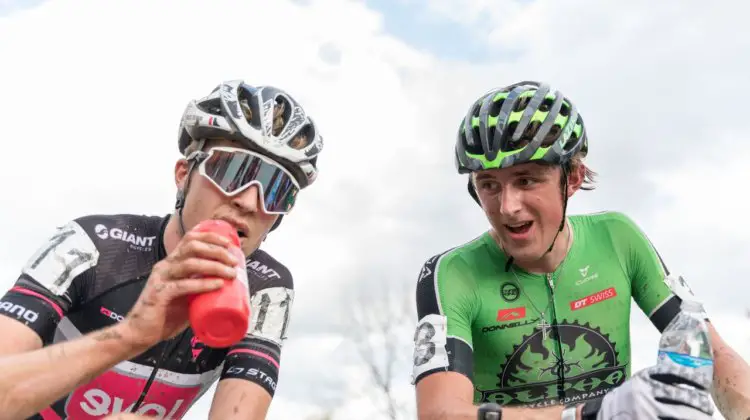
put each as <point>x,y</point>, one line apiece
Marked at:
<point>472,187</point>
<point>575,178</point>
<point>181,173</point>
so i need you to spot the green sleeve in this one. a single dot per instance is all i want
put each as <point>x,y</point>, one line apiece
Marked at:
<point>643,264</point>
<point>456,293</point>
<point>445,307</point>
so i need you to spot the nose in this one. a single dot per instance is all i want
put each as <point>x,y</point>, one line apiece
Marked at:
<point>510,201</point>
<point>248,201</point>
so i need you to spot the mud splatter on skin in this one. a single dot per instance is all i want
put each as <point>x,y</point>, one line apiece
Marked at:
<point>108,335</point>
<point>236,408</point>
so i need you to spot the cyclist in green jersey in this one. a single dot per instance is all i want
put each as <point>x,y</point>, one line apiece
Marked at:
<point>534,313</point>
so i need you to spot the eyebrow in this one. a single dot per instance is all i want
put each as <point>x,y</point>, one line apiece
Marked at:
<point>518,172</point>
<point>527,172</point>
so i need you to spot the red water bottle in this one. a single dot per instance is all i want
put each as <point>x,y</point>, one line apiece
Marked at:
<point>220,318</point>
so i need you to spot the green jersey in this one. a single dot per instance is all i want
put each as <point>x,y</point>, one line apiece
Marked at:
<point>541,339</point>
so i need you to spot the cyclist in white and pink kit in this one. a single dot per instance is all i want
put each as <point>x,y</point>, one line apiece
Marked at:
<point>96,323</point>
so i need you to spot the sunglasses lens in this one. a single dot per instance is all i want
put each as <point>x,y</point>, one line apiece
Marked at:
<point>235,170</point>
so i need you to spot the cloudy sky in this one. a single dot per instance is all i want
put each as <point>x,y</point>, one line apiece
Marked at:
<point>91,94</point>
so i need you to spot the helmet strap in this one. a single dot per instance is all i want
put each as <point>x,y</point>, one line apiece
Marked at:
<point>182,193</point>
<point>473,192</point>
<point>565,208</point>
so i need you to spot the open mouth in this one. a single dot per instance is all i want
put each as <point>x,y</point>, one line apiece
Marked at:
<point>519,228</point>
<point>239,227</point>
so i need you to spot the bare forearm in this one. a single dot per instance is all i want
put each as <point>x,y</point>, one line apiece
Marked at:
<point>731,384</point>
<point>469,412</point>
<point>239,399</point>
<point>32,381</point>
<point>547,413</point>
<point>458,412</point>
<point>449,395</point>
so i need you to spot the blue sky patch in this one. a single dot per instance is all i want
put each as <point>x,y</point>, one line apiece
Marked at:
<point>9,7</point>
<point>412,22</point>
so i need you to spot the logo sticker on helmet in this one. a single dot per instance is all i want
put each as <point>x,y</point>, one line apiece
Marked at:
<point>267,117</point>
<point>295,121</point>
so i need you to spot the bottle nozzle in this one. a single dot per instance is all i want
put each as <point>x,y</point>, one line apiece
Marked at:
<point>691,306</point>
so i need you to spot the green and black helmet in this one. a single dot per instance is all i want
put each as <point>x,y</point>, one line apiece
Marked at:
<point>524,122</point>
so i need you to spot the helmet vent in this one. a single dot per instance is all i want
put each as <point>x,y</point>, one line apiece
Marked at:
<point>546,104</point>
<point>521,103</point>
<point>212,106</point>
<point>565,109</point>
<point>495,107</point>
<point>302,139</point>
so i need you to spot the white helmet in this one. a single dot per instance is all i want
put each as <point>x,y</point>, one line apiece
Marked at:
<point>264,118</point>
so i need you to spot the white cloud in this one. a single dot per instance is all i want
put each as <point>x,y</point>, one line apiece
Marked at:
<point>93,91</point>
<point>721,184</point>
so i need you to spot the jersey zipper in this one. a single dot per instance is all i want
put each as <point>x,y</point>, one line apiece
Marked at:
<point>556,333</point>
<point>169,347</point>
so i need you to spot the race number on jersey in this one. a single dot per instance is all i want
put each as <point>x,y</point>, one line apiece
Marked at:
<point>430,341</point>
<point>67,254</point>
<point>270,309</point>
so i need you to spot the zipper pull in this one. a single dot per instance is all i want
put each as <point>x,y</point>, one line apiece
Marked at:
<point>551,285</point>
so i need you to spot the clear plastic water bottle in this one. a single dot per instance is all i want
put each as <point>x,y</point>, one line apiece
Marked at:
<point>686,341</point>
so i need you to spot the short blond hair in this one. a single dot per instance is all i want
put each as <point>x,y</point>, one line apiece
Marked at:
<point>589,176</point>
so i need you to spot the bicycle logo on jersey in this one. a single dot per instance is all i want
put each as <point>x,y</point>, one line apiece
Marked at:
<point>580,356</point>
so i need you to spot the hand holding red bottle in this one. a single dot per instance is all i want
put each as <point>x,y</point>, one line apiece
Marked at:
<point>220,318</point>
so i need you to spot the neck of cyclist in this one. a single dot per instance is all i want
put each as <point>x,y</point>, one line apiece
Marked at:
<point>172,233</point>
<point>549,261</point>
